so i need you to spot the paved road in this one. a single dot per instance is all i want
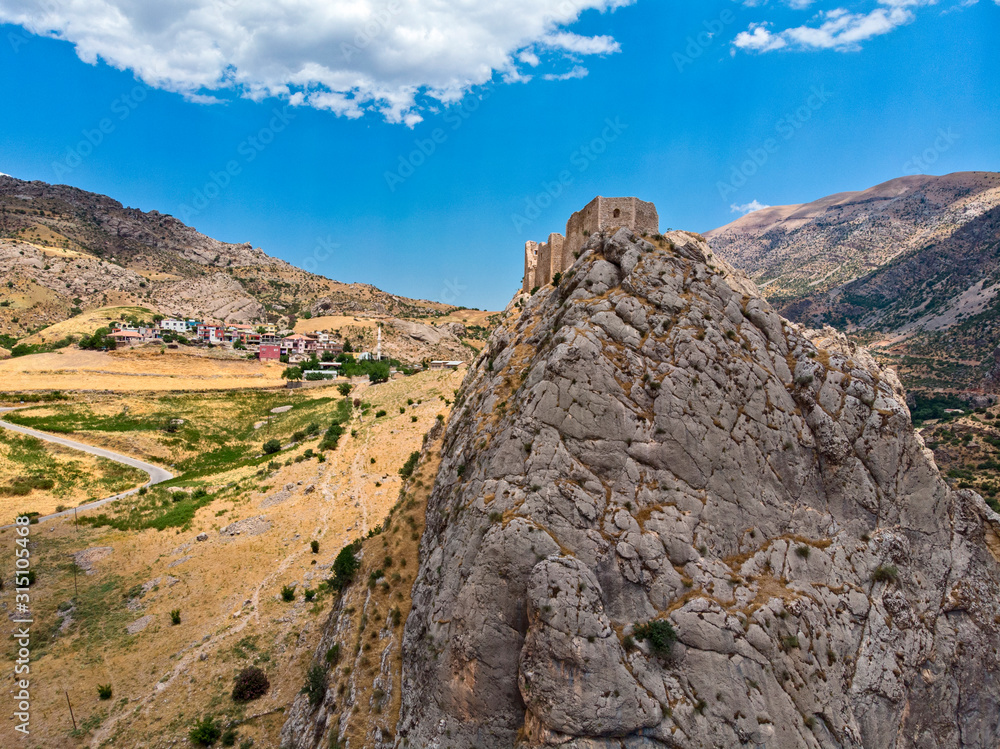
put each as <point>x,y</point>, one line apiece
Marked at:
<point>156,474</point>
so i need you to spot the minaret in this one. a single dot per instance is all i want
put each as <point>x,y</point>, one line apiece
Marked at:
<point>378,346</point>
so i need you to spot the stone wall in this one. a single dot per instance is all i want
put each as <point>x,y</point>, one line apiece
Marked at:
<point>543,273</point>
<point>557,249</point>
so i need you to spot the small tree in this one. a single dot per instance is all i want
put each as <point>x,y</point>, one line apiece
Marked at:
<point>344,567</point>
<point>292,373</point>
<point>345,388</point>
<point>271,446</point>
<point>315,684</point>
<point>379,372</point>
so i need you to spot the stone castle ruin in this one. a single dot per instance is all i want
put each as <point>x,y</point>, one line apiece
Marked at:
<point>542,260</point>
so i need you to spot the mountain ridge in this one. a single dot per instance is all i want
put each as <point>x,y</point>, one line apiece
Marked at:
<point>899,266</point>
<point>64,248</point>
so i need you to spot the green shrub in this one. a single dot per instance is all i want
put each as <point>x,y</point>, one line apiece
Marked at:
<point>104,691</point>
<point>22,486</point>
<point>410,465</point>
<point>315,686</point>
<point>175,616</point>
<point>885,573</point>
<point>803,551</point>
<point>309,594</point>
<point>251,683</point>
<point>345,388</point>
<point>314,545</point>
<point>660,635</point>
<point>333,654</point>
<point>287,593</point>
<point>789,642</point>
<point>380,413</point>
<point>229,737</point>
<point>271,447</point>
<point>344,567</point>
<point>205,732</point>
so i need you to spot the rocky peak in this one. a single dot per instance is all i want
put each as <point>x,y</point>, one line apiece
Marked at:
<point>651,442</point>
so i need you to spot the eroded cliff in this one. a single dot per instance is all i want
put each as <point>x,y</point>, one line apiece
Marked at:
<point>650,441</point>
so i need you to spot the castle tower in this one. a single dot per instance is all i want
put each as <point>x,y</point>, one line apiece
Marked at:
<point>530,264</point>
<point>605,214</point>
<point>542,260</point>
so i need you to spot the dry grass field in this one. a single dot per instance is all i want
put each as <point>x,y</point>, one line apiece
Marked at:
<point>336,322</point>
<point>140,369</point>
<point>37,476</point>
<point>226,589</point>
<point>86,323</point>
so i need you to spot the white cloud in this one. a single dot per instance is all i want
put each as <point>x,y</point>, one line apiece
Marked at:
<point>743,210</point>
<point>578,72</point>
<point>836,28</point>
<point>348,57</point>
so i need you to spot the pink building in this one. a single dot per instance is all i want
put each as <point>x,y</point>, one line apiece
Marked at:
<point>270,352</point>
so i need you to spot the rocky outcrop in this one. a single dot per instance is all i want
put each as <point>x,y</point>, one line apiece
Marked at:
<point>651,442</point>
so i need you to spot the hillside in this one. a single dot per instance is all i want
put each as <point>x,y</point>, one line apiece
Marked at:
<point>64,251</point>
<point>911,265</point>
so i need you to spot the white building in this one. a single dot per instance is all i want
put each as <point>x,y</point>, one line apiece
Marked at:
<point>176,326</point>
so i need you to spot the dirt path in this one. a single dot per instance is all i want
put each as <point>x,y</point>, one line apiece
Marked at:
<point>156,474</point>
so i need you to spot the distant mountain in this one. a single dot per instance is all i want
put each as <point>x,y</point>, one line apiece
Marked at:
<point>63,250</point>
<point>912,266</point>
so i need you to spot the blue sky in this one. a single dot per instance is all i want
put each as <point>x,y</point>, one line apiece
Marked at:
<point>424,165</point>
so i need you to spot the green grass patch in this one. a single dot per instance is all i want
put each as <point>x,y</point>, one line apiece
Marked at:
<point>158,509</point>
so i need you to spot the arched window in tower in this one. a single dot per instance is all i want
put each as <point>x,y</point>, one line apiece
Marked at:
<point>618,213</point>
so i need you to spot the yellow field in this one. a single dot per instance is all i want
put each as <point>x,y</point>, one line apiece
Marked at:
<point>467,317</point>
<point>226,589</point>
<point>132,370</point>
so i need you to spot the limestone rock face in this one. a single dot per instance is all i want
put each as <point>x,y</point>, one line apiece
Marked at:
<point>650,440</point>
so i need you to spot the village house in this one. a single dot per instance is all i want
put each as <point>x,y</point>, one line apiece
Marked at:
<point>133,336</point>
<point>210,333</point>
<point>298,344</point>
<point>174,326</point>
<point>269,352</point>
